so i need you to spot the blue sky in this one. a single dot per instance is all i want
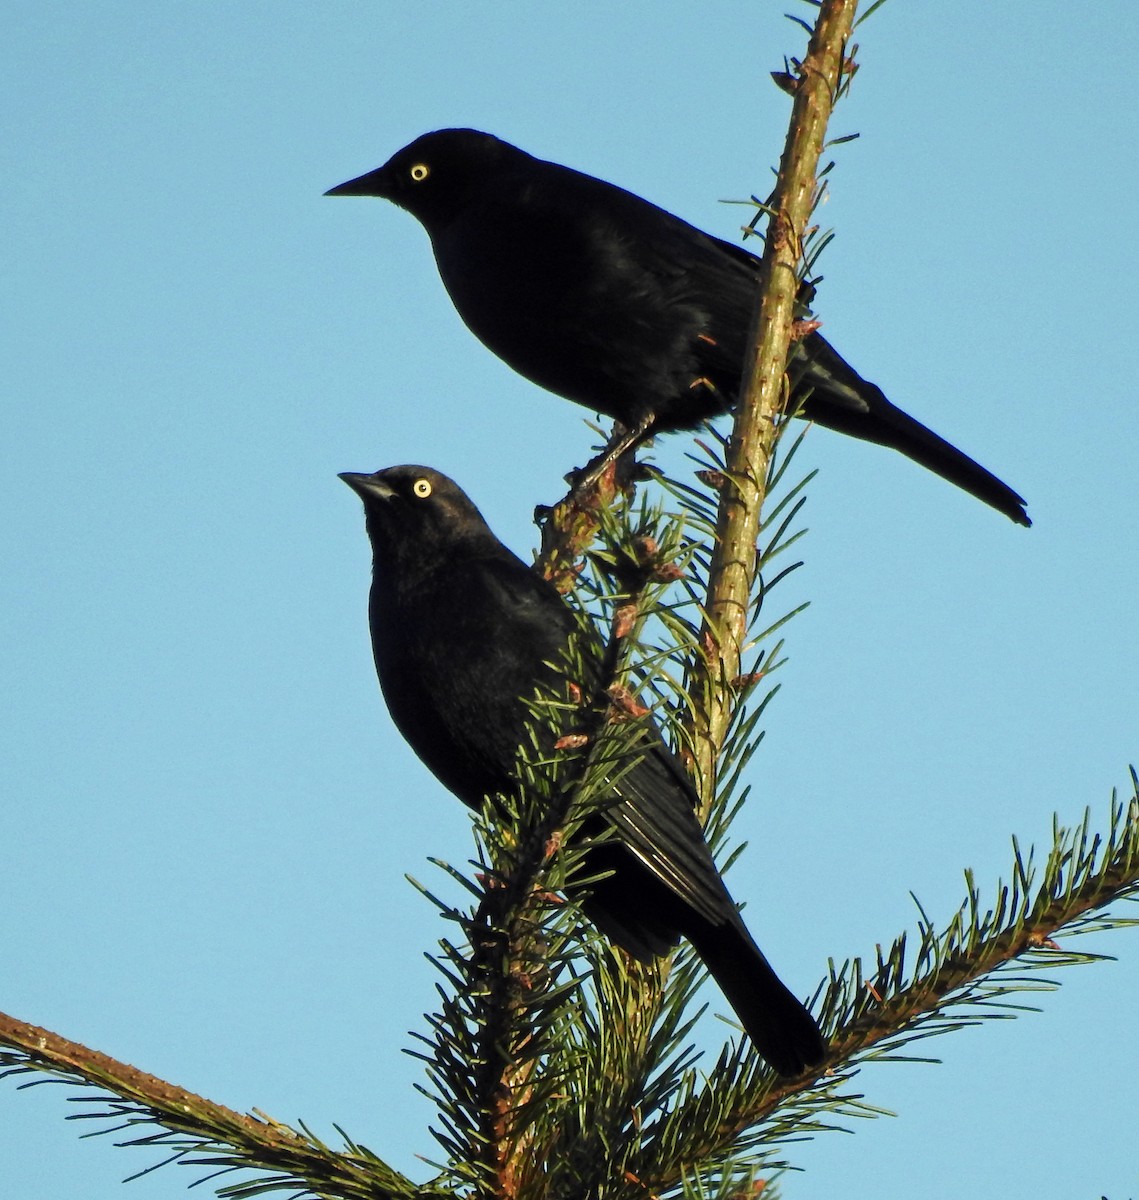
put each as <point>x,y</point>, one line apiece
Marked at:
<point>207,813</point>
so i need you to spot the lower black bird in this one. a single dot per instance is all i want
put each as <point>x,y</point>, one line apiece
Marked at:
<point>609,301</point>
<point>463,634</point>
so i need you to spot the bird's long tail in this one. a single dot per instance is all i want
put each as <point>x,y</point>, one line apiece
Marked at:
<point>842,400</point>
<point>783,1031</point>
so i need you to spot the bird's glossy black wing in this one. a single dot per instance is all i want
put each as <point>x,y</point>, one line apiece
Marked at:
<point>687,299</point>
<point>719,281</point>
<point>656,819</point>
<point>702,289</point>
<point>731,275</point>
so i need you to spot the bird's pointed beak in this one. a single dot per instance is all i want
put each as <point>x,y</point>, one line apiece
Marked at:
<point>367,487</point>
<point>375,183</point>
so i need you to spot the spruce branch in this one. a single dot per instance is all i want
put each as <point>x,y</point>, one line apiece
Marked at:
<point>500,1052</point>
<point>821,76</point>
<point>197,1132</point>
<point>570,525</point>
<point>501,1005</point>
<point>941,981</point>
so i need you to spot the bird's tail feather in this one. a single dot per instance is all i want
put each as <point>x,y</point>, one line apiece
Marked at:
<point>842,400</point>
<point>783,1031</point>
<point>903,433</point>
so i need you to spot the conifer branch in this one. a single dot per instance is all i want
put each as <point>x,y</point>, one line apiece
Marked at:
<point>954,978</point>
<point>733,570</point>
<point>500,1006</point>
<point>198,1132</point>
<point>497,1053</point>
<point>634,1118</point>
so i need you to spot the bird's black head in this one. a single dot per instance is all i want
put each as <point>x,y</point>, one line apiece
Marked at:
<point>415,516</point>
<point>431,177</point>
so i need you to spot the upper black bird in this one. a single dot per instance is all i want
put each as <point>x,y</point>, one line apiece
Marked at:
<point>603,298</point>
<point>464,635</point>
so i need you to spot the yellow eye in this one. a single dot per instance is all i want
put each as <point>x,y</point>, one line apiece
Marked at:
<point>419,172</point>
<point>422,488</point>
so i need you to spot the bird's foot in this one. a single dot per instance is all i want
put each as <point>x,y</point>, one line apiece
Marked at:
<point>620,449</point>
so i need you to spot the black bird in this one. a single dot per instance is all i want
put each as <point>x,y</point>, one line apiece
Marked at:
<point>463,634</point>
<point>609,301</point>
